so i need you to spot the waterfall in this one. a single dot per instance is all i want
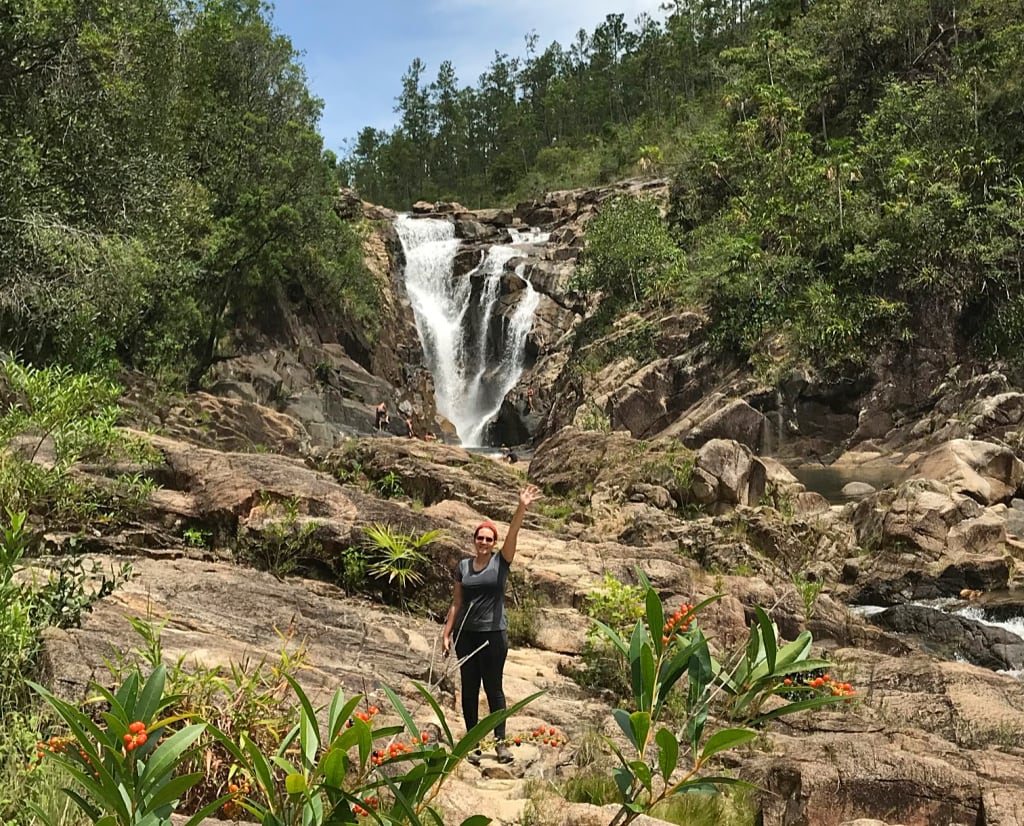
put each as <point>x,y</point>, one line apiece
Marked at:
<point>474,366</point>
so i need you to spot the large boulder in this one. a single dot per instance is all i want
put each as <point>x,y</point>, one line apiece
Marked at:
<point>985,471</point>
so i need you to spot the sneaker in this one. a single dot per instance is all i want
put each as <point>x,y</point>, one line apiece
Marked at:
<point>474,757</point>
<point>504,753</point>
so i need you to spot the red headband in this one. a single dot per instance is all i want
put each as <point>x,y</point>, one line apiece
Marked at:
<point>490,525</point>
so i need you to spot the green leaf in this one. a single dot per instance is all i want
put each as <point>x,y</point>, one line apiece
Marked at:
<point>149,699</point>
<point>340,711</point>
<point>623,777</point>
<point>295,783</point>
<point>476,820</point>
<point>728,738</point>
<point>655,618</point>
<point>167,756</point>
<point>174,789</point>
<point>399,706</point>
<point>640,722</point>
<point>642,772</point>
<point>612,636</point>
<point>438,712</point>
<point>668,752</point>
<point>309,729</point>
<point>334,768</point>
<point>622,717</point>
<point>637,642</point>
<point>793,708</point>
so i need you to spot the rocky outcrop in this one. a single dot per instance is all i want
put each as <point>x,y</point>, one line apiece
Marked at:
<point>953,636</point>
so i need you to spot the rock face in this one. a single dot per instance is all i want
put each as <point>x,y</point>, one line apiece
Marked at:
<point>926,742</point>
<point>952,636</point>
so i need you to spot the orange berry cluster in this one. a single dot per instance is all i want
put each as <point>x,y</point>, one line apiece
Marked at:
<point>60,745</point>
<point>380,756</point>
<point>233,808</point>
<point>826,683</point>
<point>365,716</point>
<point>547,736</point>
<point>359,811</point>
<point>136,736</point>
<point>678,623</point>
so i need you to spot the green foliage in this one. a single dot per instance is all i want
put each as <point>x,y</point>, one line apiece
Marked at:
<point>809,589</point>
<point>164,170</point>
<point>354,569</point>
<point>281,543</point>
<point>619,606</point>
<point>665,653</point>
<point>389,485</point>
<point>57,417</point>
<point>594,418</point>
<point>398,557</point>
<point>628,251</point>
<point>522,609</point>
<point>125,773</point>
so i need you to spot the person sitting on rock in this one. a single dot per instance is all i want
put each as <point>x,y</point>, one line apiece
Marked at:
<point>383,419</point>
<point>408,424</point>
<point>430,437</point>
<point>477,621</point>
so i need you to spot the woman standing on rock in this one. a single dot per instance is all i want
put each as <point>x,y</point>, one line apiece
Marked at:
<point>477,618</point>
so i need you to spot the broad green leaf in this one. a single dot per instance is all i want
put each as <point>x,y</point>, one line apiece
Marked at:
<point>174,789</point>
<point>795,650</point>
<point>623,776</point>
<point>640,722</point>
<point>260,767</point>
<point>655,618</point>
<point>309,729</point>
<point>642,772</point>
<point>399,706</point>
<point>728,738</point>
<point>793,708</point>
<point>149,699</point>
<point>668,752</point>
<point>168,754</point>
<point>334,768</point>
<point>340,711</point>
<point>637,642</point>
<point>622,717</point>
<point>295,784</point>
<point>648,677</point>
<point>476,820</point>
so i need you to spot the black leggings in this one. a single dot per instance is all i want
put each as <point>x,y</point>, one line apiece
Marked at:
<point>487,666</point>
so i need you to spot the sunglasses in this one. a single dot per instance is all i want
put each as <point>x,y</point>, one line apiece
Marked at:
<point>487,540</point>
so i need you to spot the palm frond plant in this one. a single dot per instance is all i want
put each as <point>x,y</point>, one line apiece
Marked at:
<point>398,557</point>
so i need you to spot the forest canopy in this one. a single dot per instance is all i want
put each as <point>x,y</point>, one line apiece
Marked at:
<point>841,171</point>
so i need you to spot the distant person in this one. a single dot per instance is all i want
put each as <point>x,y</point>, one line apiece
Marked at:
<point>430,437</point>
<point>510,456</point>
<point>529,399</point>
<point>477,623</point>
<point>383,419</point>
<point>408,424</point>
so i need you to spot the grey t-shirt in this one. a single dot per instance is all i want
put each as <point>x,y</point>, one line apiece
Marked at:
<point>483,595</point>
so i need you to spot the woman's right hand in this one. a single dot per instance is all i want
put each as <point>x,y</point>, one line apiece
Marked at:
<point>446,645</point>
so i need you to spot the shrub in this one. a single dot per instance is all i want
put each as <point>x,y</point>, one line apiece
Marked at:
<point>281,543</point>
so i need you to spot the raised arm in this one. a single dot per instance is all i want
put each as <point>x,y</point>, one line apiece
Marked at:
<point>449,623</point>
<point>527,496</point>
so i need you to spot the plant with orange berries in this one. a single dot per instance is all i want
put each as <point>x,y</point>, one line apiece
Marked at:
<point>665,652</point>
<point>125,768</point>
<point>354,768</point>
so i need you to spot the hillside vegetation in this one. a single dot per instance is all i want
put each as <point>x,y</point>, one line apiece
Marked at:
<point>844,172</point>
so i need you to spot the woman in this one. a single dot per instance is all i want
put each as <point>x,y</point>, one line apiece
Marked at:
<point>477,618</point>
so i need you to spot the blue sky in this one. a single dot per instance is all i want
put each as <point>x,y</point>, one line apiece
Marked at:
<point>356,51</point>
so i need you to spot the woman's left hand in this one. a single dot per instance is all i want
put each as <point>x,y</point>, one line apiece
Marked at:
<point>529,495</point>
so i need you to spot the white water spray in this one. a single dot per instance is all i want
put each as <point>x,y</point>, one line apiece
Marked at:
<point>473,368</point>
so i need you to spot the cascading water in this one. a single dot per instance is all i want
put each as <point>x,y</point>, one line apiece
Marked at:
<point>473,368</point>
